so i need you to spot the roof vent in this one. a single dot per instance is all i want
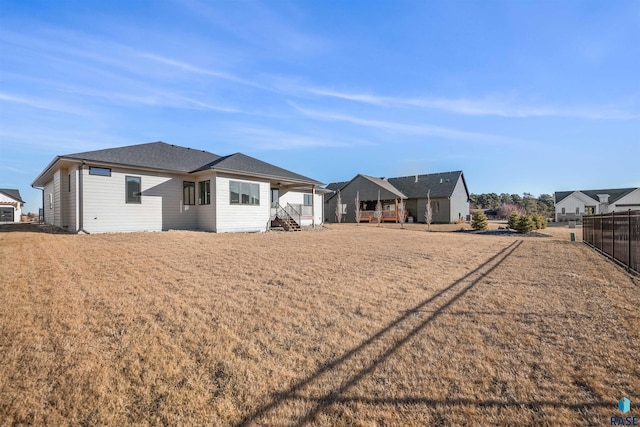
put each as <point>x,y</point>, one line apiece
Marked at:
<point>416,178</point>
<point>440,180</point>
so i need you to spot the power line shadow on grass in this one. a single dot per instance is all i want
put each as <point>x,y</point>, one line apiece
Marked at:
<point>367,365</point>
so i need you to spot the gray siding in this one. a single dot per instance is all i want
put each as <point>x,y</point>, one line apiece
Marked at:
<point>368,192</point>
<point>459,202</point>
<point>440,210</point>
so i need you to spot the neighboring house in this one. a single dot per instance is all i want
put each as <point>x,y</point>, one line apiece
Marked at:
<point>572,205</point>
<point>158,186</point>
<point>10,205</point>
<point>448,193</point>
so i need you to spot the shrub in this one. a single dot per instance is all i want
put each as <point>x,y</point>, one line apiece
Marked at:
<point>539,222</point>
<point>525,224</point>
<point>513,220</point>
<point>479,221</point>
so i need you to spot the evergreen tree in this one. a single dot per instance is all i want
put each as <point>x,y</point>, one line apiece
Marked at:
<point>525,224</point>
<point>479,220</point>
<point>513,220</point>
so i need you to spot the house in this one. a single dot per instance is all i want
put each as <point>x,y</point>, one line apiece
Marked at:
<point>572,205</point>
<point>10,205</point>
<point>159,186</point>
<point>448,193</point>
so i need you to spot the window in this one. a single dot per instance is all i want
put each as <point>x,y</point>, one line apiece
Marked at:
<point>436,206</point>
<point>244,193</point>
<point>577,211</point>
<point>69,183</point>
<point>134,189</point>
<point>308,200</point>
<point>563,211</point>
<point>205,192</point>
<point>50,200</point>
<point>188,193</point>
<point>99,171</point>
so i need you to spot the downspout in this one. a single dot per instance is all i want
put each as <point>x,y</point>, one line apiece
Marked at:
<point>81,200</point>
<point>313,207</point>
<point>41,189</point>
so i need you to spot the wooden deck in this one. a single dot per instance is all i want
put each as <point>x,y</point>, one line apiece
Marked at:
<point>387,216</point>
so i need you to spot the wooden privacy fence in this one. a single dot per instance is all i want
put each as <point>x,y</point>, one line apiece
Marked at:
<point>616,235</point>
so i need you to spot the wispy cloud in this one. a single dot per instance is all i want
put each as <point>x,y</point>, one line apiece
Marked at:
<point>199,70</point>
<point>44,104</point>
<point>264,139</point>
<point>481,107</point>
<point>422,129</point>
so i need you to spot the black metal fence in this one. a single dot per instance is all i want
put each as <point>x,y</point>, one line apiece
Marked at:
<point>616,235</point>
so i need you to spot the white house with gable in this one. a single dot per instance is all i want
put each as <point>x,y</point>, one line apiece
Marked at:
<point>158,186</point>
<point>10,205</point>
<point>572,205</point>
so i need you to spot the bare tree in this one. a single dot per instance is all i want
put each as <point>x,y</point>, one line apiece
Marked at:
<point>401,213</point>
<point>357,211</point>
<point>378,211</point>
<point>507,209</point>
<point>339,208</point>
<point>428,212</point>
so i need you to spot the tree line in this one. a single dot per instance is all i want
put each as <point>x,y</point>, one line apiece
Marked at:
<point>507,203</point>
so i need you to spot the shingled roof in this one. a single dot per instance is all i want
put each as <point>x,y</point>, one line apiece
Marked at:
<point>415,186</point>
<point>441,184</point>
<point>153,155</point>
<point>615,194</point>
<point>172,158</point>
<point>239,162</point>
<point>14,194</point>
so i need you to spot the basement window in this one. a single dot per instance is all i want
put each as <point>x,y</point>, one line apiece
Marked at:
<point>99,171</point>
<point>134,189</point>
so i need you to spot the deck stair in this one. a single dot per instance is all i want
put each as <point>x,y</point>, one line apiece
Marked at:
<point>285,217</point>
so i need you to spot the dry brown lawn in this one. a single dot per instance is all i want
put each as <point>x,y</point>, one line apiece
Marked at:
<point>355,325</point>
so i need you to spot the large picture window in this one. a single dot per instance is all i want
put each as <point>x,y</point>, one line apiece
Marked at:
<point>134,189</point>
<point>189,193</point>
<point>205,192</point>
<point>244,193</point>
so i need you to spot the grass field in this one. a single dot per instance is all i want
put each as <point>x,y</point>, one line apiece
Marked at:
<point>354,325</point>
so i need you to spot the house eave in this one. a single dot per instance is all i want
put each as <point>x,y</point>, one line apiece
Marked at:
<point>283,180</point>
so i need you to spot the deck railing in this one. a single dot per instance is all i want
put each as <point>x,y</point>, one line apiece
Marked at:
<point>616,235</point>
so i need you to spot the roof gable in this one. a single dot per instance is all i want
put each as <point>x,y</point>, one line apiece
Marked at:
<point>14,194</point>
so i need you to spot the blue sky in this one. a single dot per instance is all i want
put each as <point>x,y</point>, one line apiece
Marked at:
<point>536,96</point>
